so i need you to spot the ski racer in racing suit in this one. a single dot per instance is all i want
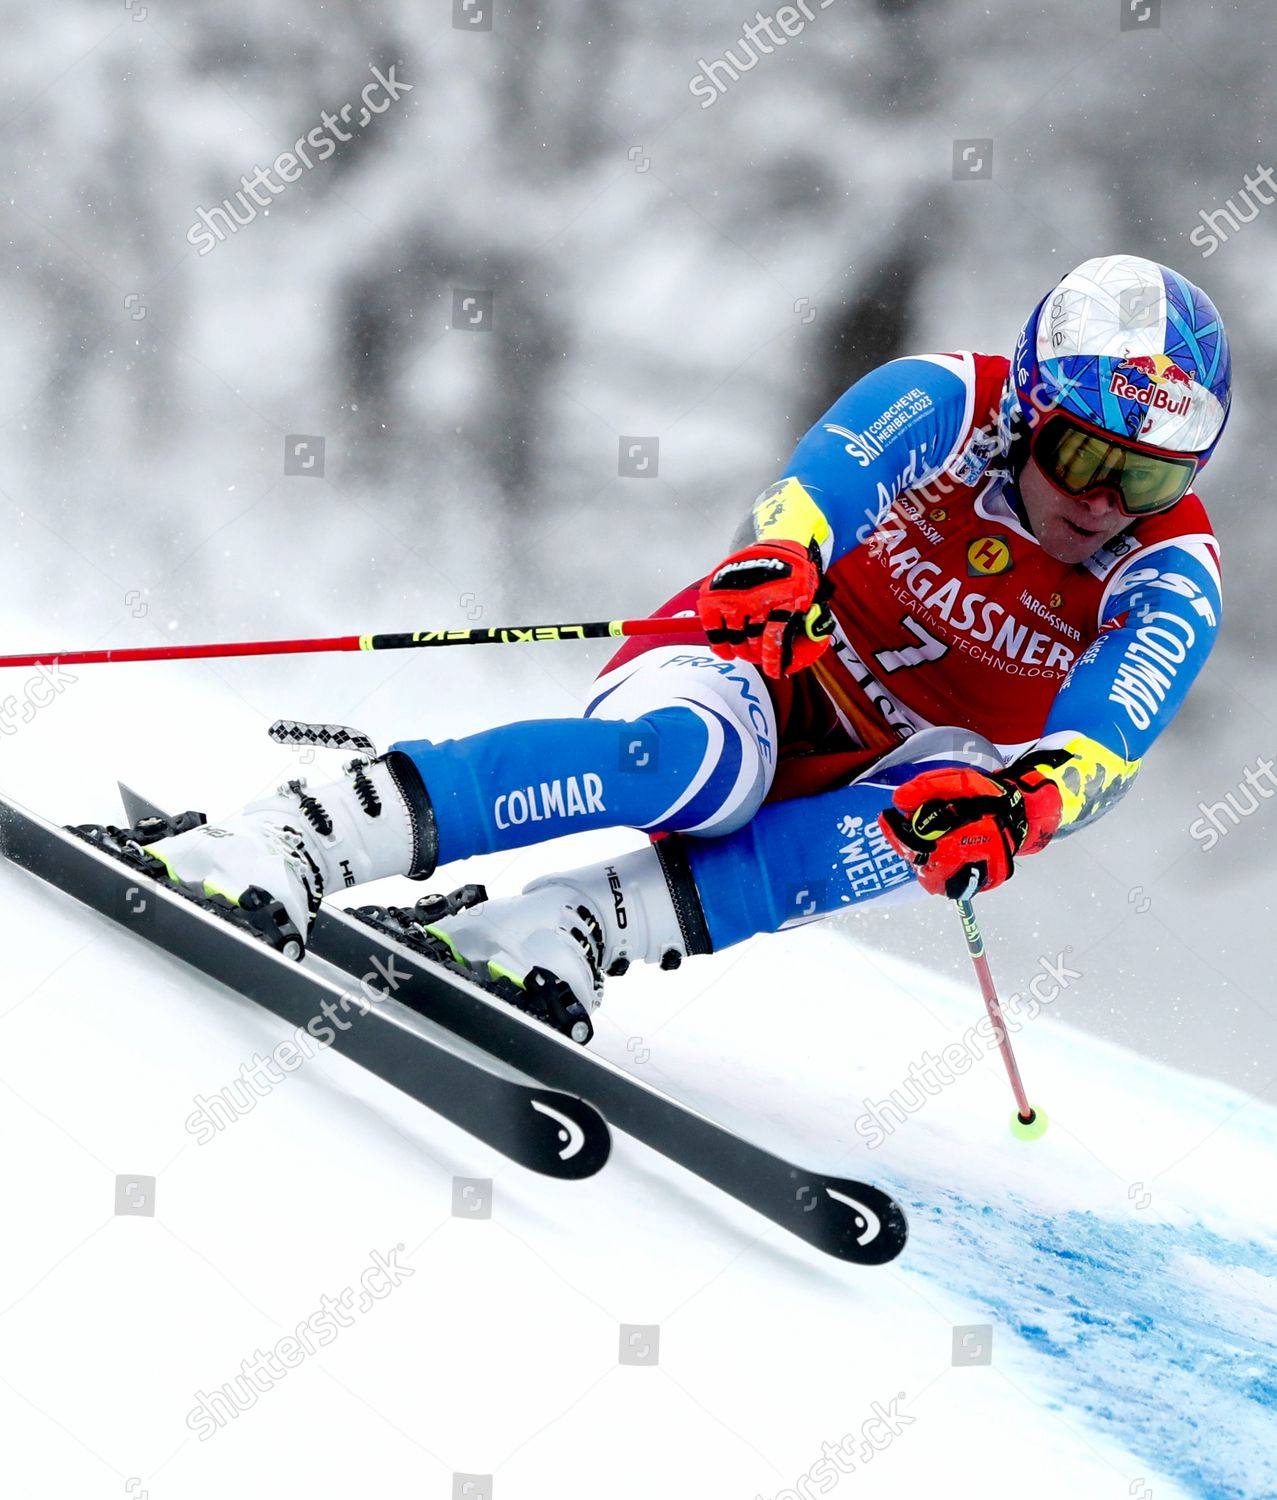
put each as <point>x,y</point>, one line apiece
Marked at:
<point>947,635</point>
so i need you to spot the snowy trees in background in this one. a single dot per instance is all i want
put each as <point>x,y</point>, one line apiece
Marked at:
<point>550,252</point>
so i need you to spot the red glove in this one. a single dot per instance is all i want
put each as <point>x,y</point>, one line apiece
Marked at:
<point>767,604</point>
<point>958,823</point>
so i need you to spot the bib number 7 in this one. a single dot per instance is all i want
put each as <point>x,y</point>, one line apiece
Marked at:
<point>927,647</point>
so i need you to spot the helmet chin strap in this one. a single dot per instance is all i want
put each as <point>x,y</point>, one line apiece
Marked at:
<point>1014,427</point>
<point>1017,457</point>
<point>1017,503</point>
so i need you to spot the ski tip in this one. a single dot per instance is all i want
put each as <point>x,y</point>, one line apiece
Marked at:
<point>570,1138</point>
<point>850,1220</point>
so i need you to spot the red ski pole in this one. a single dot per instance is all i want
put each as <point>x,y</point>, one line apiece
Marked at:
<point>487,636</point>
<point>1027,1122</point>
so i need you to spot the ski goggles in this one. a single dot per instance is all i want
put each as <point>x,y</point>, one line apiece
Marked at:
<point>1077,457</point>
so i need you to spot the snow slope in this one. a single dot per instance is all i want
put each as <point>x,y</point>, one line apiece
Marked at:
<point>1126,1264</point>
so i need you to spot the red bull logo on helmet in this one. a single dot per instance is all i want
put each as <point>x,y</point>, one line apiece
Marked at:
<point>1163,375</point>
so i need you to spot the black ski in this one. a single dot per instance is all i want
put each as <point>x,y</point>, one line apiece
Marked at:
<point>543,1129</point>
<point>851,1220</point>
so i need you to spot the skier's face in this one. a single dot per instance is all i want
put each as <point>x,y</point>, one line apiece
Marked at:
<point>1069,527</point>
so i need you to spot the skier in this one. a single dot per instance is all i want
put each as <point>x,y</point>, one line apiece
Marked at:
<point>947,635</point>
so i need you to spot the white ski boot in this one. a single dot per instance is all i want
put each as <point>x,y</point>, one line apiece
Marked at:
<point>581,926</point>
<point>278,858</point>
<point>548,950</point>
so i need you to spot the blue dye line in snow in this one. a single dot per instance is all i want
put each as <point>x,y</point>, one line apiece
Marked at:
<point>1178,1370</point>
